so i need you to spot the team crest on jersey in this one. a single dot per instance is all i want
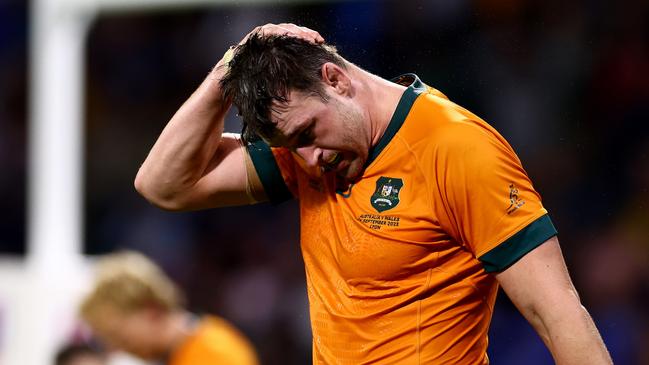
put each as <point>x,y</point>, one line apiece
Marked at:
<point>386,195</point>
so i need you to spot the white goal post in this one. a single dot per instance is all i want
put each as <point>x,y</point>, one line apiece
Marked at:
<point>38,297</point>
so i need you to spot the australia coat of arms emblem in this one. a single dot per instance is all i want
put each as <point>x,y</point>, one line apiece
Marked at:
<point>386,195</point>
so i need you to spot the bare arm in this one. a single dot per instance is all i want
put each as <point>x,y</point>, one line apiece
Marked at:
<point>185,168</point>
<point>540,287</point>
<point>193,165</point>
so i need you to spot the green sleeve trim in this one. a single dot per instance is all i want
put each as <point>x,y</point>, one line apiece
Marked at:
<point>507,253</point>
<point>269,173</point>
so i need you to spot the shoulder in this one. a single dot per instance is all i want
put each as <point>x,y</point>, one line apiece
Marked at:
<point>438,125</point>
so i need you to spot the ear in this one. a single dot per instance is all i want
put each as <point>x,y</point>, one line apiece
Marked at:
<point>336,77</point>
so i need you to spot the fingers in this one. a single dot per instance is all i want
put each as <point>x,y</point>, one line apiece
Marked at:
<point>287,29</point>
<point>317,38</point>
<point>305,33</point>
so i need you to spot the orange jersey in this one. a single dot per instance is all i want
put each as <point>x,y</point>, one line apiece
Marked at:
<point>214,341</point>
<point>398,265</point>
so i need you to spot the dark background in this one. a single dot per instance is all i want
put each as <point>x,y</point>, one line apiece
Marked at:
<point>566,82</point>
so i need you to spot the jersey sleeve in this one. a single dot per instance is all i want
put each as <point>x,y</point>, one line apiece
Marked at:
<point>276,170</point>
<point>487,201</point>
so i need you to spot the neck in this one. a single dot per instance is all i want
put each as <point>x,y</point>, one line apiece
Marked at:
<point>381,98</point>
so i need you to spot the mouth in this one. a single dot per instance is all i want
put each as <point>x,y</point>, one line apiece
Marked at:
<point>331,162</point>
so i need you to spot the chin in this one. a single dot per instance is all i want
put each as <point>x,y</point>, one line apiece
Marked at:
<point>354,171</point>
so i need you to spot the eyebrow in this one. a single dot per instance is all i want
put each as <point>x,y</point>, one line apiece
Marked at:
<point>304,127</point>
<point>296,131</point>
<point>281,140</point>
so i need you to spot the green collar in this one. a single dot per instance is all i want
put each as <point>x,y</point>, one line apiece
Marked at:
<point>415,87</point>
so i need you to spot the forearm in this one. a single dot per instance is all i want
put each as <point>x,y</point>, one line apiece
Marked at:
<point>540,287</point>
<point>569,333</point>
<point>186,145</point>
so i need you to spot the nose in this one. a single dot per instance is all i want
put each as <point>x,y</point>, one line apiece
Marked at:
<point>310,154</point>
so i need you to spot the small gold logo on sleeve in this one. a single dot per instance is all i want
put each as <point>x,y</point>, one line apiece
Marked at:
<point>514,201</point>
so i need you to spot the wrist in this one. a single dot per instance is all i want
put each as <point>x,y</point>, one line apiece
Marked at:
<point>228,55</point>
<point>224,63</point>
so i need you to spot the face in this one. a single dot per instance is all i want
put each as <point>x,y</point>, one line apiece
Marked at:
<point>135,332</point>
<point>331,134</point>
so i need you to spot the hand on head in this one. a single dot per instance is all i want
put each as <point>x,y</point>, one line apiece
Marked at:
<point>288,29</point>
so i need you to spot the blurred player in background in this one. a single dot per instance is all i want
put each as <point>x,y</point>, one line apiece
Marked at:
<point>134,307</point>
<point>413,209</point>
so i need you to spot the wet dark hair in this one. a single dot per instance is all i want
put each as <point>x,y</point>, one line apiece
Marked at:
<point>264,69</point>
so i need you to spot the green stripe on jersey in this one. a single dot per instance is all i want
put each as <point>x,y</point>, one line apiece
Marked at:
<point>268,171</point>
<point>507,253</point>
<point>415,87</point>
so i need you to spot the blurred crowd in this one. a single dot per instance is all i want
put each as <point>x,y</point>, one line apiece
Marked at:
<point>13,125</point>
<point>567,83</point>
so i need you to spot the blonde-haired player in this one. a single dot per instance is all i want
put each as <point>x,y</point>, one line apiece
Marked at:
<point>136,308</point>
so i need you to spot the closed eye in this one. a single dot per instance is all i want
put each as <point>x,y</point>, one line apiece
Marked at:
<point>306,136</point>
